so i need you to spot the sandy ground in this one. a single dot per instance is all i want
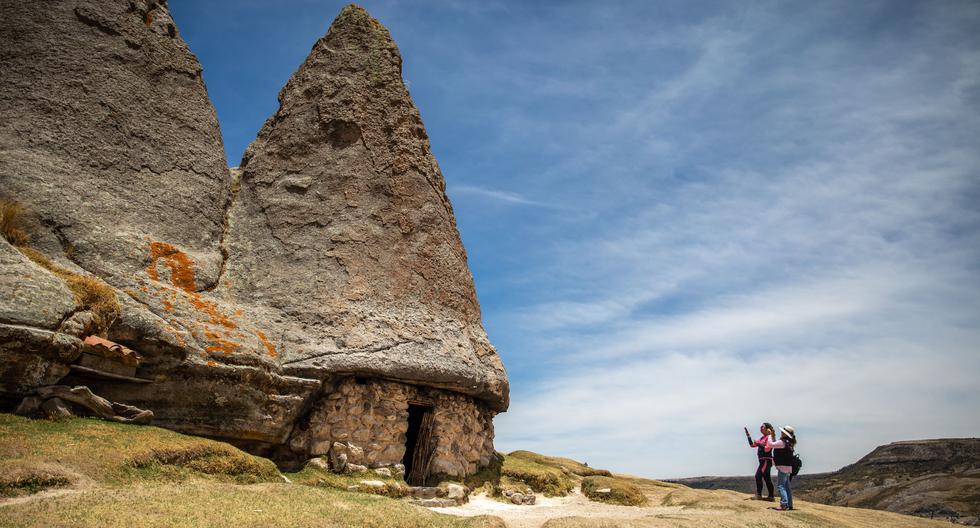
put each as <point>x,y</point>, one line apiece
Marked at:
<point>544,509</point>
<point>672,504</point>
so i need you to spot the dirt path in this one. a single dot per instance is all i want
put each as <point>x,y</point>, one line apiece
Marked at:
<point>574,505</point>
<point>46,494</point>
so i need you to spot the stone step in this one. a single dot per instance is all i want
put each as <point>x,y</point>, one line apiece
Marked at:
<point>426,492</point>
<point>434,503</point>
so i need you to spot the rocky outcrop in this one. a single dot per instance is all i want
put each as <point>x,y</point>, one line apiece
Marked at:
<point>937,479</point>
<point>249,295</point>
<point>342,226</point>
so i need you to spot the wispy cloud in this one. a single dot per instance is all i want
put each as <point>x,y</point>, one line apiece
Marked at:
<point>496,195</point>
<point>777,228</point>
<point>688,217</point>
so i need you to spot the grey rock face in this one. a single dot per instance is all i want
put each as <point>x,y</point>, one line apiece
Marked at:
<point>343,227</point>
<point>334,251</point>
<point>107,131</point>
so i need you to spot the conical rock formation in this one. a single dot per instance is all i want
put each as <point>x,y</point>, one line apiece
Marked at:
<point>300,305</point>
<point>343,225</point>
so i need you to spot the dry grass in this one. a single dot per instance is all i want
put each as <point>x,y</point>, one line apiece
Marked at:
<point>150,477</point>
<point>201,503</point>
<point>110,453</point>
<point>312,476</point>
<point>620,491</point>
<point>213,459</point>
<point>12,223</point>
<point>542,478</point>
<point>24,479</point>
<point>679,506</point>
<point>565,464</point>
<point>91,293</point>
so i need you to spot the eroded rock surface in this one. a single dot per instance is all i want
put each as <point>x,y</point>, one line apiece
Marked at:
<point>251,295</point>
<point>342,225</point>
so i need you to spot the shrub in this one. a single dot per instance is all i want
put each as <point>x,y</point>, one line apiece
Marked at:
<point>620,491</point>
<point>566,464</point>
<point>208,459</point>
<point>24,479</point>
<point>541,478</point>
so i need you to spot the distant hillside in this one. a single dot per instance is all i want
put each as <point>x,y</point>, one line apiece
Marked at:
<point>937,479</point>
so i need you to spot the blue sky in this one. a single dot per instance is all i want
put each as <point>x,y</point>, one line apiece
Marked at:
<point>686,217</point>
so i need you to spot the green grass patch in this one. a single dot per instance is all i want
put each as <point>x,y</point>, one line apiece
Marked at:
<point>313,476</point>
<point>620,491</point>
<point>542,478</point>
<point>565,464</point>
<point>115,454</point>
<point>207,503</point>
<point>20,479</point>
<point>213,459</point>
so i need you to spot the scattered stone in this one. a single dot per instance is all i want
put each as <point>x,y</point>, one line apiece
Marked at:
<point>318,463</point>
<point>383,471</point>
<point>355,468</point>
<point>522,499</point>
<point>373,483</point>
<point>426,492</point>
<point>455,491</point>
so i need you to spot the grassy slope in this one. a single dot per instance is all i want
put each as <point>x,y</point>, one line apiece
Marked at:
<point>123,476</point>
<point>674,505</point>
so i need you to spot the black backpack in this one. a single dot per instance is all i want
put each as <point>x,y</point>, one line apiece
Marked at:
<point>797,464</point>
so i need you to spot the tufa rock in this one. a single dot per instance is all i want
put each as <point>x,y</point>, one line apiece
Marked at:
<point>249,294</point>
<point>342,181</point>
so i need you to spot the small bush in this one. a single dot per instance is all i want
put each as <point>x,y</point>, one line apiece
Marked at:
<point>551,481</point>
<point>209,459</point>
<point>12,222</point>
<point>565,464</point>
<point>19,479</point>
<point>620,491</point>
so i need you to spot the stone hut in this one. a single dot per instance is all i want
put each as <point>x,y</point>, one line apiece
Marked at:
<point>314,301</point>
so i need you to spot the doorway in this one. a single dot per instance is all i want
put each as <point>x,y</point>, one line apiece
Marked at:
<point>419,444</point>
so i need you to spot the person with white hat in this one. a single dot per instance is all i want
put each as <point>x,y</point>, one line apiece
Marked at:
<point>782,452</point>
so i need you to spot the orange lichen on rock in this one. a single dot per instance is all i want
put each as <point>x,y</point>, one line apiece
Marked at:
<point>211,309</point>
<point>181,266</point>
<point>226,347</point>
<point>269,347</point>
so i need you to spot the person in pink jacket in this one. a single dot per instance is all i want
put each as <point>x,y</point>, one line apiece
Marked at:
<point>764,451</point>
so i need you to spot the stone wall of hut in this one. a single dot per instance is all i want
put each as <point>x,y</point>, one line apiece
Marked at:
<point>369,419</point>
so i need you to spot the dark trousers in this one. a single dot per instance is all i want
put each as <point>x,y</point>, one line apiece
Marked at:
<point>762,474</point>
